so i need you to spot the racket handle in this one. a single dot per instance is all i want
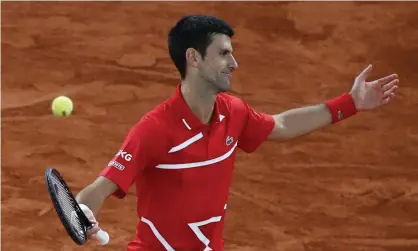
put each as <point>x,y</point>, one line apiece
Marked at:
<point>102,237</point>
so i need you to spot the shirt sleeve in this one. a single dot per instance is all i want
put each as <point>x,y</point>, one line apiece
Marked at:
<point>257,128</point>
<point>136,153</point>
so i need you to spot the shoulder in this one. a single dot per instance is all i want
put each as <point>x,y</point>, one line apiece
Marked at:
<point>233,104</point>
<point>159,117</point>
<point>149,133</point>
<point>154,122</point>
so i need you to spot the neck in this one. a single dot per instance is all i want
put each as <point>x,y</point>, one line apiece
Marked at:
<point>200,98</point>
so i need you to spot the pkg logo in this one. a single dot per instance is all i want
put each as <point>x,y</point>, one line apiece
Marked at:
<point>124,155</point>
<point>116,165</point>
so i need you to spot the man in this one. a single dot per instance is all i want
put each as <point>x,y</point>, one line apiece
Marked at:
<point>180,155</point>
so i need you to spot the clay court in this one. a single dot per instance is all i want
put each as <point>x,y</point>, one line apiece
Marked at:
<point>350,187</point>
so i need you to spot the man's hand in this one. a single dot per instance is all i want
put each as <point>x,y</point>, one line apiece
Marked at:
<point>94,231</point>
<point>370,95</point>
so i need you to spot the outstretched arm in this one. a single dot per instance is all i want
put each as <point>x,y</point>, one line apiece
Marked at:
<point>363,96</point>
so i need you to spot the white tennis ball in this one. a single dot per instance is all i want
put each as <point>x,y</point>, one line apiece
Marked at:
<point>62,106</point>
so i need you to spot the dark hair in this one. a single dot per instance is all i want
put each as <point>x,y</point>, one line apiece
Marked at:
<point>194,31</point>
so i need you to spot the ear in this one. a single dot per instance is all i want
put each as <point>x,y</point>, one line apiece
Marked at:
<point>192,57</point>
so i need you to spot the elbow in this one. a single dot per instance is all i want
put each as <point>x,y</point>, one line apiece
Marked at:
<point>281,132</point>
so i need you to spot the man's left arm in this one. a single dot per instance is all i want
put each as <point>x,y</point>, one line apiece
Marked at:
<point>300,121</point>
<point>363,96</point>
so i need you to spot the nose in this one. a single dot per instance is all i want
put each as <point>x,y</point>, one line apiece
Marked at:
<point>233,65</point>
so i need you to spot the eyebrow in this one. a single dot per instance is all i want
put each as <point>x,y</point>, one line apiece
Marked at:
<point>226,50</point>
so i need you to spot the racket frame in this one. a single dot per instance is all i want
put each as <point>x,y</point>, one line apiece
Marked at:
<point>80,214</point>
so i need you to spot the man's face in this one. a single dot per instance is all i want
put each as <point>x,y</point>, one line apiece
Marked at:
<point>218,64</point>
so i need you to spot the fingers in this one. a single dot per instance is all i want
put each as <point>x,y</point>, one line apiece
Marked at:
<point>390,91</point>
<point>99,235</point>
<point>93,231</point>
<point>387,79</point>
<point>388,98</point>
<point>381,81</point>
<point>90,216</point>
<point>389,95</point>
<point>389,85</point>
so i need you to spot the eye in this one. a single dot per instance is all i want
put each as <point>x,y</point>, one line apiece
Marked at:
<point>225,52</point>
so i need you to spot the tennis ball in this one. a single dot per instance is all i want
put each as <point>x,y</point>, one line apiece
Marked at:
<point>62,106</point>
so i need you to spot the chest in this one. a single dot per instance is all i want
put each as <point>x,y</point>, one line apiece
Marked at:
<point>200,156</point>
<point>203,144</point>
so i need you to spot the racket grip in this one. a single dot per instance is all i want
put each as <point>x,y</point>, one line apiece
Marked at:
<point>102,237</point>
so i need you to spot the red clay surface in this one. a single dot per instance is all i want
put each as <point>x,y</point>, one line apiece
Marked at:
<point>350,187</point>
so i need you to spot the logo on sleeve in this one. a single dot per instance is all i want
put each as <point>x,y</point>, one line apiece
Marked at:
<point>116,165</point>
<point>124,155</point>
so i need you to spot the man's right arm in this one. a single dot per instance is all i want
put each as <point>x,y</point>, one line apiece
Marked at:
<point>94,195</point>
<point>137,150</point>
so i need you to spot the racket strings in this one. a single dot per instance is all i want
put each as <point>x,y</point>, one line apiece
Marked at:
<point>67,206</point>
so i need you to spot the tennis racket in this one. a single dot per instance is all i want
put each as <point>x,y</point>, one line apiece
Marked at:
<point>69,212</point>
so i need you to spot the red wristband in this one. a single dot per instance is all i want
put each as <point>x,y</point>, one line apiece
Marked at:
<point>341,107</point>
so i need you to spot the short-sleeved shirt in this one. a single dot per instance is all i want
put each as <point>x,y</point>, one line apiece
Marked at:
<point>182,170</point>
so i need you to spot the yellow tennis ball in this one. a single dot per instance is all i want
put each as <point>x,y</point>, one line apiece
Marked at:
<point>62,106</point>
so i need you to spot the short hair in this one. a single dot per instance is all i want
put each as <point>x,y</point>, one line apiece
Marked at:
<point>194,31</point>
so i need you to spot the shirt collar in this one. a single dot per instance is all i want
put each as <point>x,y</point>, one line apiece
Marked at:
<point>186,115</point>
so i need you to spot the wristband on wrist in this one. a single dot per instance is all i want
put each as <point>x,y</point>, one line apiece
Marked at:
<point>341,107</point>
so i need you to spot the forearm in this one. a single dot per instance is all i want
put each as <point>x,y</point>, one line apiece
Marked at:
<point>96,193</point>
<point>91,197</point>
<point>300,121</point>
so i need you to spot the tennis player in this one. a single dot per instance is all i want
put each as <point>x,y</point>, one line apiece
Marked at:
<point>180,155</point>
